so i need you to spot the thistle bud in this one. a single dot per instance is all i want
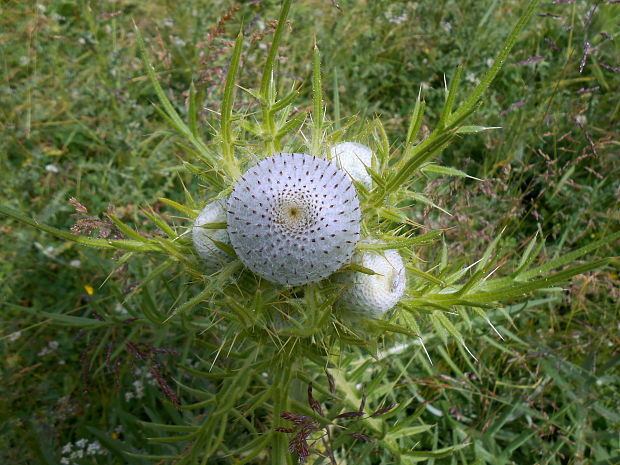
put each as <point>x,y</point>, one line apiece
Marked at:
<point>373,295</point>
<point>353,158</point>
<point>203,237</point>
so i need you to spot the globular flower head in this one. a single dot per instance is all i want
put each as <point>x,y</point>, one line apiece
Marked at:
<point>294,219</point>
<point>214,212</point>
<point>373,295</point>
<point>354,158</point>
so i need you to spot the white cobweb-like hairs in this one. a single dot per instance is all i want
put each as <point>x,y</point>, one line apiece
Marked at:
<point>373,295</point>
<point>214,212</point>
<point>354,158</point>
<point>294,219</point>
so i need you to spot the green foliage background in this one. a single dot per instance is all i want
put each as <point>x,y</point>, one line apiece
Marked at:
<point>78,121</point>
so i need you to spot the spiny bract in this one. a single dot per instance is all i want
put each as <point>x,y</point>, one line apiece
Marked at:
<point>214,212</point>
<point>354,158</point>
<point>373,295</point>
<point>294,219</point>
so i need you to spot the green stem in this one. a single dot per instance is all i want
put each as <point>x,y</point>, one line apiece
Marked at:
<point>268,69</point>
<point>269,130</point>
<point>317,114</point>
<point>267,86</point>
<point>282,381</point>
<point>226,111</point>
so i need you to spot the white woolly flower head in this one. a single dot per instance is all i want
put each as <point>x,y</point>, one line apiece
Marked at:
<point>373,295</point>
<point>294,219</point>
<point>214,212</point>
<point>354,158</point>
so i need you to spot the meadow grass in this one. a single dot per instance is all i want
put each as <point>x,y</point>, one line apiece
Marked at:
<point>78,121</point>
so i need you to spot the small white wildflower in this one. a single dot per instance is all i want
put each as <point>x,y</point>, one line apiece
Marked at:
<point>262,46</point>
<point>139,387</point>
<point>120,310</point>
<point>81,41</point>
<point>65,461</point>
<point>447,26</point>
<point>14,336</point>
<point>150,379</point>
<point>168,23</point>
<point>294,219</point>
<point>24,60</point>
<point>53,345</point>
<point>93,448</point>
<point>140,371</point>
<point>398,19</point>
<point>581,119</point>
<point>61,362</point>
<point>41,7</point>
<point>81,443</point>
<point>44,351</point>
<point>373,295</point>
<point>214,212</point>
<point>129,395</point>
<point>353,158</point>
<point>79,453</point>
<point>490,62</point>
<point>178,41</point>
<point>471,77</point>
<point>75,263</point>
<point>66,449</point>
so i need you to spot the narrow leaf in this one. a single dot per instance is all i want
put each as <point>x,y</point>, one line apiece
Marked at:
<point>416,120</point>
<point>273,51</point>
<point>409,431</point>
<point>488,78</point>
<point>226,109</point>
<point>191,213</point>
<point>450,97</point>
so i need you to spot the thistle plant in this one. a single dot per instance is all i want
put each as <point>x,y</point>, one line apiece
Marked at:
<point>302,259</point>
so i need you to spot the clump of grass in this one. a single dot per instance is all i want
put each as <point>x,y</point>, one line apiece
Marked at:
<point>250,327</point>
